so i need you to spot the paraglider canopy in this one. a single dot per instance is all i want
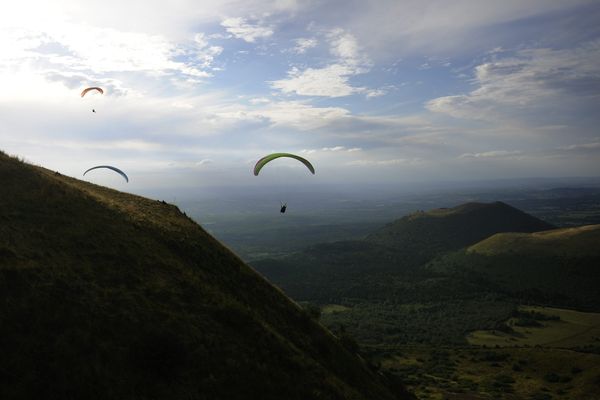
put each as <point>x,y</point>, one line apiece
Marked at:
<point>263,161</point>
<point>84,92</point>
<point>117,170</point>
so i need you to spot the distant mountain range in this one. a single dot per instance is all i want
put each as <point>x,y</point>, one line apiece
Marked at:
<point>107,295</point>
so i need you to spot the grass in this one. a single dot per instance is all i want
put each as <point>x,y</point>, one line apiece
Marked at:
<point>507,373</point>
<point>582,240</point>
<point>334,309</point>
<point>574,329</point>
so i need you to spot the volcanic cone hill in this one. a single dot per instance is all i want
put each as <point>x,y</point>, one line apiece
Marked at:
<point>107,295</point>
<point>446,229</point>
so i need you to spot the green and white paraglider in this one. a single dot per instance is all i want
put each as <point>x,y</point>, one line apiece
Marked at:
<point>117,170</point>
<point>267,159</point>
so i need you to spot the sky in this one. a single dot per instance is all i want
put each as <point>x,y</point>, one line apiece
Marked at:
<point>388,91</point>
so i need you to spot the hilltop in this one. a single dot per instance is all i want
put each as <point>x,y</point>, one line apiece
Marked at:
<point>453,228</point>
<point>578,241</point>
<point>107,295</point>
<point>557,267</point>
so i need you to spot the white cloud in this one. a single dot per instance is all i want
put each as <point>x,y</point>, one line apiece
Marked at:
<point>533,80</point>
<point>189,164</point>
<point>303,44</point>
<point>78,51</point>
<point>259,100</point>
<point>394,161</point>
<point>441,27</point>
<point>344,46</point>
<point>307,151</point>
<point>175,20</point>
<point>295,114</point>
<point>246,31</point>
<point>334,149</point>
<point>371,93</point>
<point>582,146</point>
<point>333,79</point>
<point>136,145</point>
<point>298,115</point>
<point>492,154</point>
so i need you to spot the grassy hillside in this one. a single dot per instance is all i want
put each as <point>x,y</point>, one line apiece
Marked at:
<point>558,268</point>
<point>107,295</point>
<point>446,229</point>
<point>510,373</point>
<point>544,326</point>
<point>578,241</point>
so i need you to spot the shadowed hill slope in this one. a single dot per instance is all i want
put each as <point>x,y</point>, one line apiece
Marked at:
<point>558,267</point>
<point>107,295</point>
<point>580,241</point>
<point>452,228</point>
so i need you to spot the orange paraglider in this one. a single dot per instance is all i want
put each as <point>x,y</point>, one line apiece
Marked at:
<point>83,93</point>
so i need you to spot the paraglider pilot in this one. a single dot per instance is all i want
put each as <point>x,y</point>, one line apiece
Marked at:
<point>283,208</point>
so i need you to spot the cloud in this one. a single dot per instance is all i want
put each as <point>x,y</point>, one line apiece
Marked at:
<point>69,52</point>
<point>246,31</point>
<point>335,149</point>
<point>135,145</point>
<point>333,79</point>
<point>583,146</point>
<point>438,27</point>
<point>391,162</point>
<point>296,114</point>
<point>344,46</point>
<point>259,100</point>
<point>303,44</point>
<point>188,164</point>
<point>492,154</point>
<point>532,81</point>
<point>371,93</point>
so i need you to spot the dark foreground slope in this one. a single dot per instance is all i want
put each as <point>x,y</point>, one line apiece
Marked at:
<point>107,295</point>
